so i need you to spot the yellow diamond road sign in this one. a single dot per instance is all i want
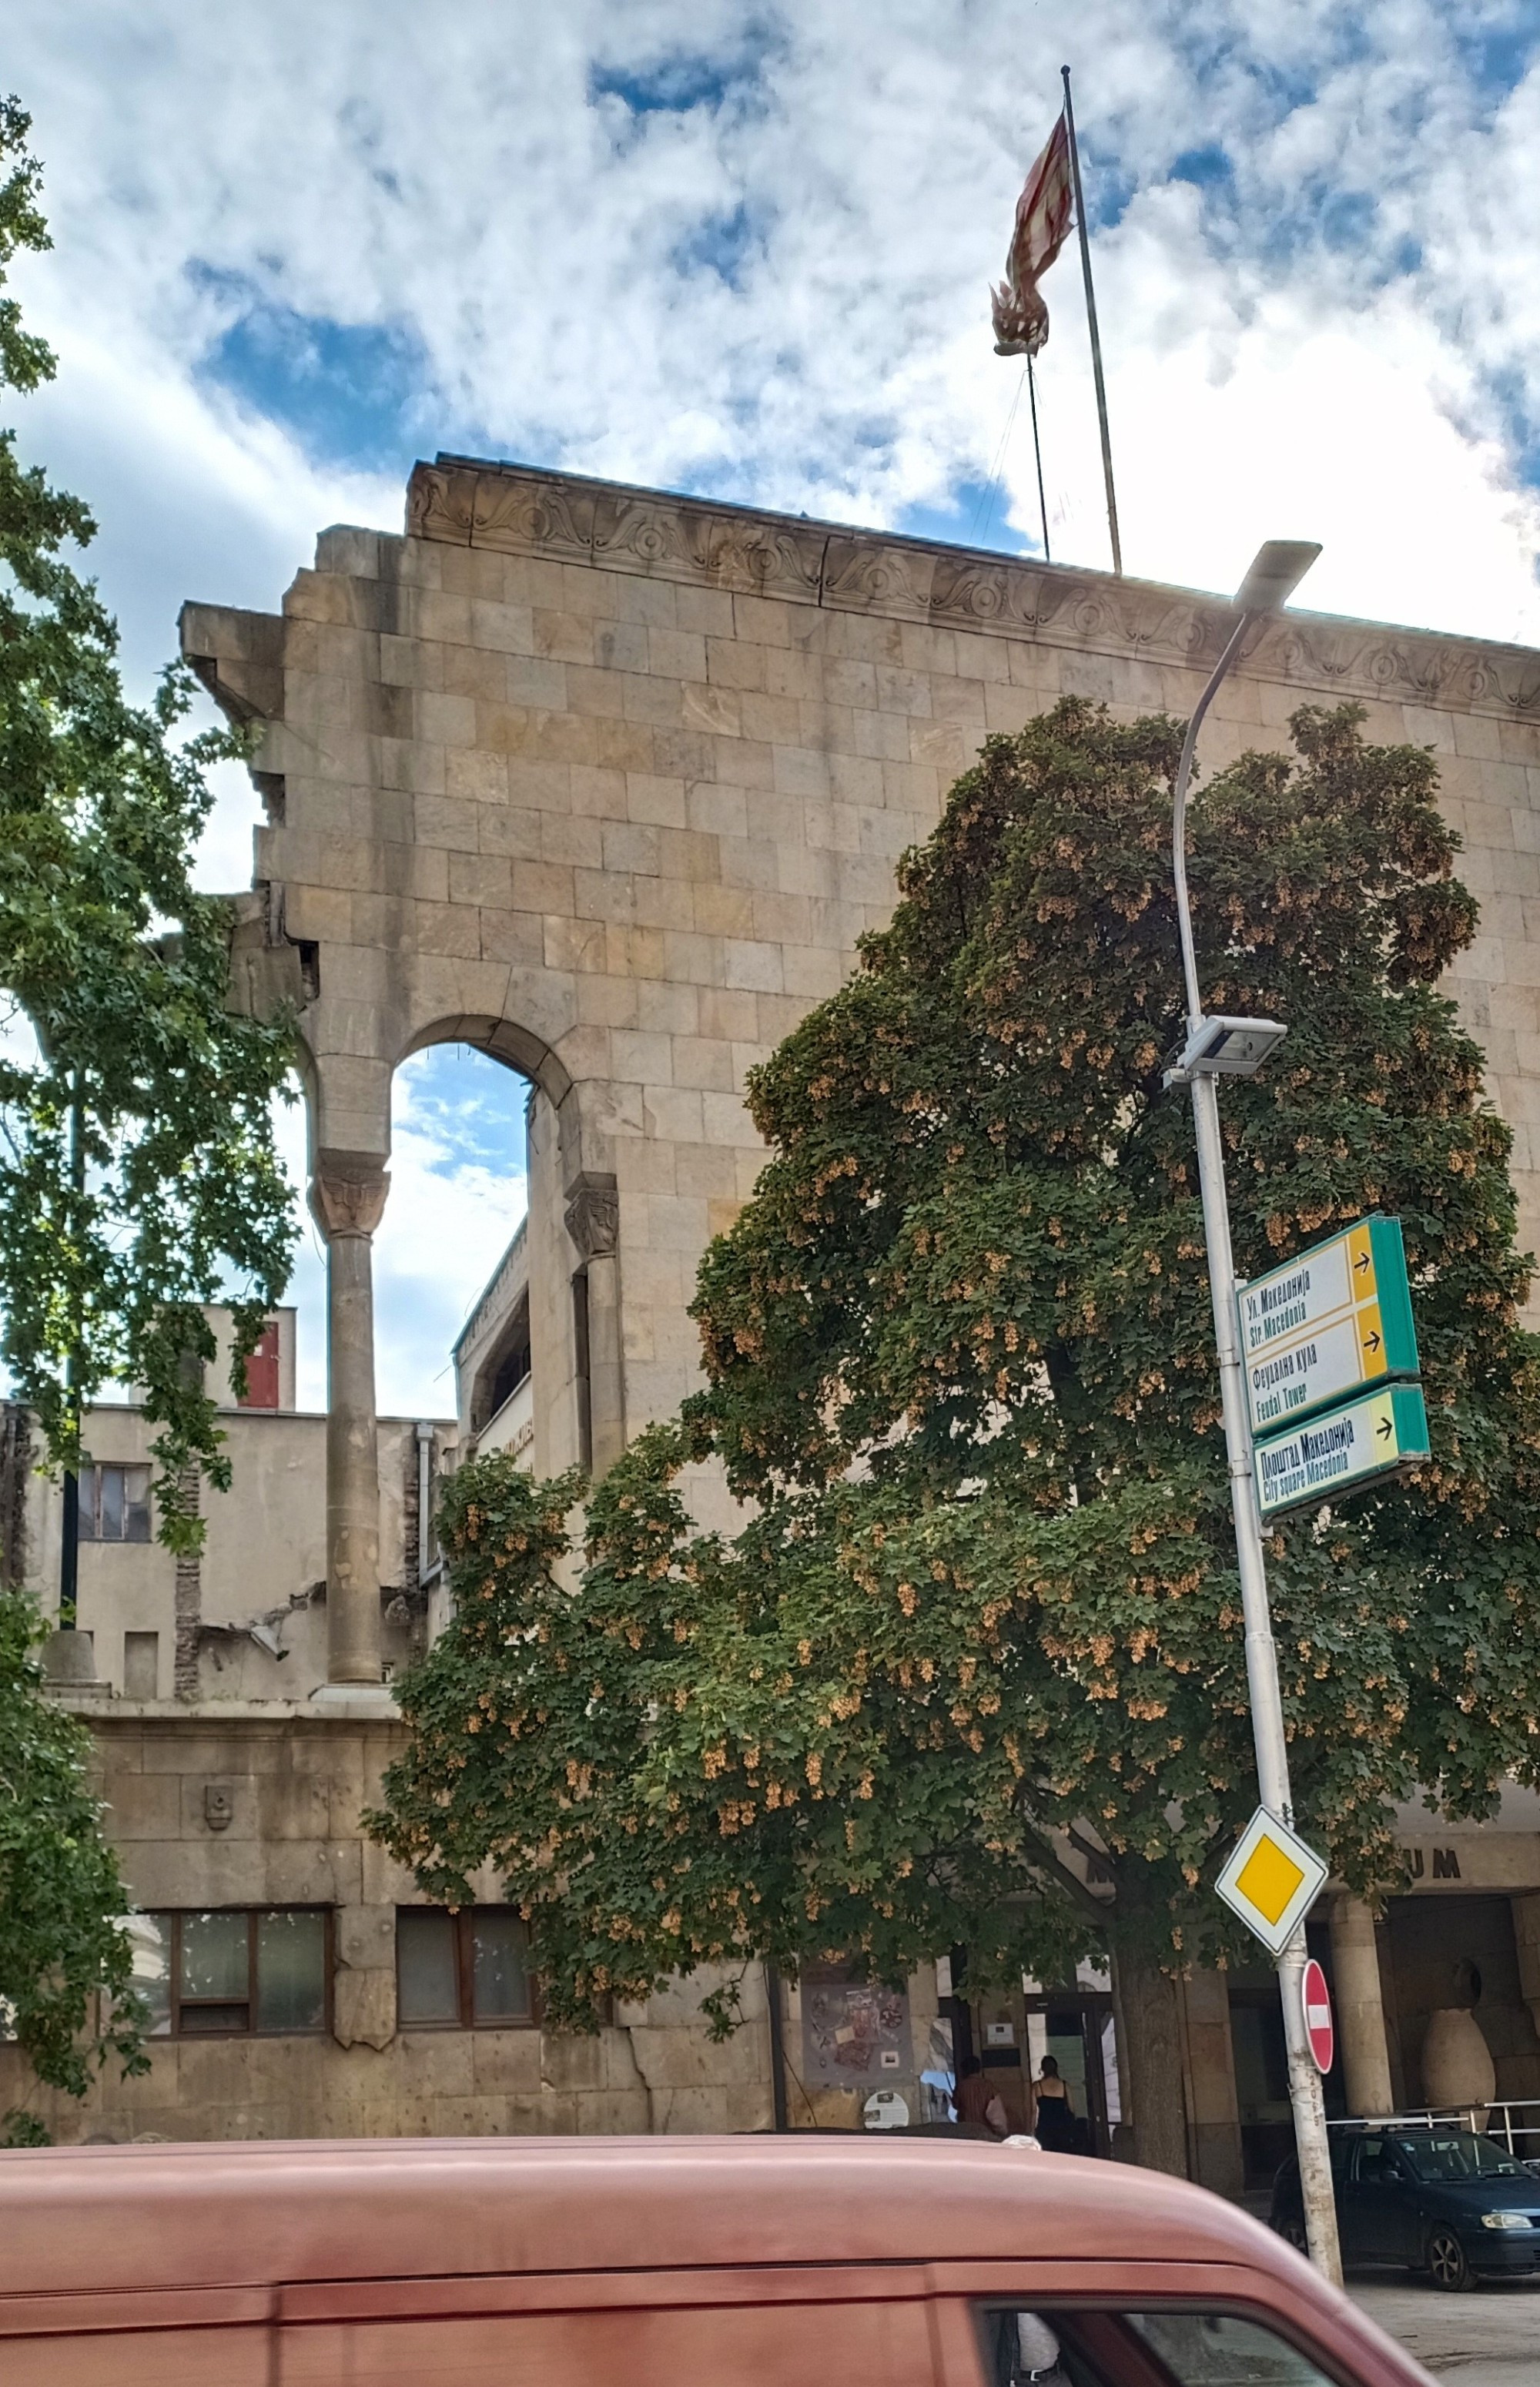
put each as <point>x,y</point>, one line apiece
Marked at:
<point>1271,1881</point>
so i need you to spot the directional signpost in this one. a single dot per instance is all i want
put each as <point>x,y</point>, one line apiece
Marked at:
<point>1327,1324</point>
<point>1316,1334</point>
<point>1383,1435</point>
<point>1328,1356</point>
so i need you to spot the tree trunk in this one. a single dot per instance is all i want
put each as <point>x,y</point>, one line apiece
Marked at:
<point>1152,2048</point>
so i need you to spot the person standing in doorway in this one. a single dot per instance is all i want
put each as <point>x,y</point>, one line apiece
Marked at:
<point>1053,2110</point>
<point>975,2100</point>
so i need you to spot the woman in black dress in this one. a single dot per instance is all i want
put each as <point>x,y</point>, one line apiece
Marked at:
<point>1054,2126</point>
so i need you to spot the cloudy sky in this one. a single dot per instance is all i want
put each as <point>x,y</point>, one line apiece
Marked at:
<point>745,250</point>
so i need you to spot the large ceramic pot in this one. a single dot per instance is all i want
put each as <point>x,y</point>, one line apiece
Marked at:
<point>1457,2062</point>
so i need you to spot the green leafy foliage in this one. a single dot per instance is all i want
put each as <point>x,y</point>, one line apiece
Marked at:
<point>974,1671</point>
<point>65,1960</point>
<point>138,1177</point>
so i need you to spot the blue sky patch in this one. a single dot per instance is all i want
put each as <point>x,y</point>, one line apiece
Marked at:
<point>1204,167</point>
<point>475,1103</point>
<point>669,87</point>
<point>723,244</point>
<point>971,514</point>
<point>681,80</point>
<point>349,393</point>
<point>1498,54</point>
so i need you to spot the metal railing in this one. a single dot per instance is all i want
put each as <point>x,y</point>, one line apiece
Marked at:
<point>1513,2123</point>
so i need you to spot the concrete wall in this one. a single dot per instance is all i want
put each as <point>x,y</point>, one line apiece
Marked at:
<point>609,784</point>
<point>264,1554</point>
<point>296,1785</point>
<point>293,1785</point>
<point>1213,2112</point>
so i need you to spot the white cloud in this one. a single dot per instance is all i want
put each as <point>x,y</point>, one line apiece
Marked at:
<point>780,288</point>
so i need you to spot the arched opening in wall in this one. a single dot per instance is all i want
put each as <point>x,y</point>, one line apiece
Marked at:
<point>448,1248</point>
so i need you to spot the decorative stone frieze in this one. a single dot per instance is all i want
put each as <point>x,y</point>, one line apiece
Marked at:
<point>561,518</point>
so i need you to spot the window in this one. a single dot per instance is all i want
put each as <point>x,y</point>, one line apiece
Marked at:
<point>468,1971</point>
<point>115,1504</point>
<point>228,1973</point>
<point>1050,2348</point>
<point>1456,2154</point>
<point>1216,2349</point>
<point>513,1366</point>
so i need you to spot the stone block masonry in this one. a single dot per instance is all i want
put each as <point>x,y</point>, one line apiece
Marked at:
<point>609,784</point>
<point>293,1786</point>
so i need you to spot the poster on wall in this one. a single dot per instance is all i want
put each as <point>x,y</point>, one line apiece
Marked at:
<point>855,2034</point>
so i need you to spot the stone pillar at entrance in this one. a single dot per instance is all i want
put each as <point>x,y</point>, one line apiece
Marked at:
<point>348,1197</point>
<point>1360,2008</point>
<point>1526,1939</point>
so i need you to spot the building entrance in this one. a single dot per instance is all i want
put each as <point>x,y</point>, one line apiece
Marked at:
<point>1073,2027</point>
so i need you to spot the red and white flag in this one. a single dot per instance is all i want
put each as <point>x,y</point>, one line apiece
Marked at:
<point>1043,216</point>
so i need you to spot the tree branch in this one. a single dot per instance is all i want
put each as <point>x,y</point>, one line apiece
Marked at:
<point>1050,1862</point>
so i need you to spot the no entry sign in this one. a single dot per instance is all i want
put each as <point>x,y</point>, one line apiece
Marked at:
<point>1319,2029</point>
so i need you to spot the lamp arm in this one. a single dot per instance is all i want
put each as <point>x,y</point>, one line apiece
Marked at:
<point>1178,818</point>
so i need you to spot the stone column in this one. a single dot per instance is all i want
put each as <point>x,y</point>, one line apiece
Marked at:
<point>593,1222</point>
<point>1525,1910</point>
<point>1216,2114</point>
<point>1360,2008</point>
<point>347,1195</point>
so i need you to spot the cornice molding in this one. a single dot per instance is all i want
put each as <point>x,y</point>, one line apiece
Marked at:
<point>746,551</point>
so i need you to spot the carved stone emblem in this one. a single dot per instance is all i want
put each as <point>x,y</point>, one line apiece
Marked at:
<point>593,1215</point>
<point>348,1192</point>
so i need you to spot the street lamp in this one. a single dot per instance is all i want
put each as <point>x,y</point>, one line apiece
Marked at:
<point>1215,1047</point>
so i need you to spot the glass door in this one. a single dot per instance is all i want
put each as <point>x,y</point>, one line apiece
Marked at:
<point>1073,2032</point>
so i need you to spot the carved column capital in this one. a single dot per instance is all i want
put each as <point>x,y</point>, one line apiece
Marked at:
<point>593,1215</point>
<point>348,1193</point>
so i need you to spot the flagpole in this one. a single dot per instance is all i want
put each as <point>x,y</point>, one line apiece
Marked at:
<point>1037,452</point>
<point>1095,335</point>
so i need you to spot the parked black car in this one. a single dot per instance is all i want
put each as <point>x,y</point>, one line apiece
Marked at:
<point>1428,2199</point>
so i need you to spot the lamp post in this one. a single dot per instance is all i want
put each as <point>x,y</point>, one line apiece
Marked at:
<point>1217,1047</point>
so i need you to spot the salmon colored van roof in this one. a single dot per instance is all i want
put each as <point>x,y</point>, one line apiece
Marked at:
<point>233,2212</point>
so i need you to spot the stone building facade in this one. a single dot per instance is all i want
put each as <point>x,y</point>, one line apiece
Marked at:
<point>609,783</point>
<point>234,1786</point>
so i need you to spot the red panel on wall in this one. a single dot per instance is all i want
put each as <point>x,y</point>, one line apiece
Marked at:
<point>261,1371</point>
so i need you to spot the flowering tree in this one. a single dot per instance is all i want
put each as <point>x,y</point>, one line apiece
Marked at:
<point>973,1671</point>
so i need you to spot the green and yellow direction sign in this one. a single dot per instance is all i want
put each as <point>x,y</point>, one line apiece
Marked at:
<point>1272,1880</point>
<point>1324,1455</point>
<point>1331,1322</point>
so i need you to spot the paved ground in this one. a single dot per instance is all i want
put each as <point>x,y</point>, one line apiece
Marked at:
<point>1487,2338</point>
